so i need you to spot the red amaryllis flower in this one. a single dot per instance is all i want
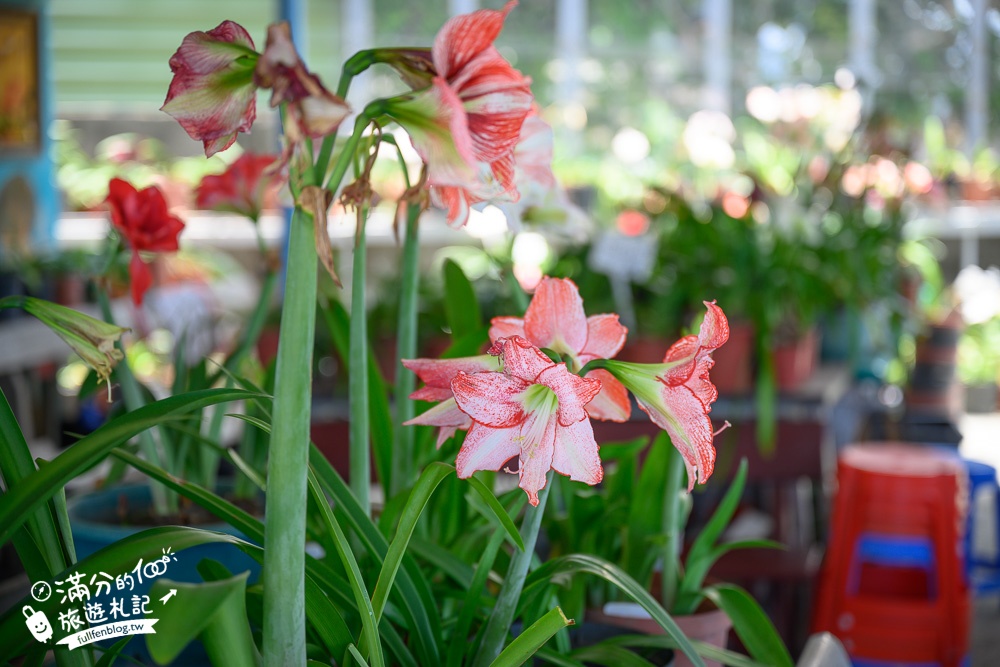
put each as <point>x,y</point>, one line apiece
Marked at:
<point>678,394</point>
<point>555,319</point>
<point>212,94</point>
<point>312,109</point>
<point>534,409</point>
<point>466,124</point>
<point>141,217</point>
<point>437,374</point>
<point>241,188</point>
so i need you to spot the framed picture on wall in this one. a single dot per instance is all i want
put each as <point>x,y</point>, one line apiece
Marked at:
<point>20,120</point>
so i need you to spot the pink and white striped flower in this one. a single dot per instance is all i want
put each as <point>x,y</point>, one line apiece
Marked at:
<point>555,319</point>
<point>678,394</point>
<point>466,124</point>
<point>534,409</point>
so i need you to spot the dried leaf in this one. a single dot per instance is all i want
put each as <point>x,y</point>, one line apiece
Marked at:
<point>316,201</point>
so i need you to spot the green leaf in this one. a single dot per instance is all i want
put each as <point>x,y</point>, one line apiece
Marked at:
<point>498,512</point>
<point>369,615</point>
<point>429,480</point>
<point>446,561</point>
<point>611,655</point>
<point>108,659</point>
<point>470,606</point>
<point>766,401</point>
<point>694,575</point>
<point>324,616</point>
<point>214,611</point>
<point>557,659</point>
<point>533,638</point>
<point>37,488</point>
<point>576,563</point>
<point>460,304</point>
<point>705,650</point>
<point>751,624</point>
<point>43,527</point>
<point>646,519</point>
<point>421,615</point>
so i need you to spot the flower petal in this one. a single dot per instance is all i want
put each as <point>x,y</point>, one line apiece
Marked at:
<point>521,359</point>
<point>140,276</point>
<point>486,448</point>
<point>537,447</point>
<point>605,338</point>
<point>714,329</point>
<point>505,327</point>
<point>463,37</point>
<point>684,417</point>
<point>432,394</point>
<point>440,372</point>
<point>447,416</point>
<point>573,392</point>
<point>489,398</point>
<point>612,404</point>
<point>555,317</point>
<point>576,453</point>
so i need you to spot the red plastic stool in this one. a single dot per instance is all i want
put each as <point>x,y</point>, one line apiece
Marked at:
<point>893,587</point>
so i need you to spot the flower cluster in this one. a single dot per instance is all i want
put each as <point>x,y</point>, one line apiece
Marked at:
<point>465,115</point>
<point>518,401</point>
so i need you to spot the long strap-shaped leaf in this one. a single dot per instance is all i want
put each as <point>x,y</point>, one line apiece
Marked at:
<point>37,488</point>
<point>751,624</point>
<point>470,605</point>
<point>323,615</point>
<point>420,614</point>
<point>533,638</point>
<point>576,563</point>
<point>369,617</point>
<point>16,464</point>
<point>429,480</point>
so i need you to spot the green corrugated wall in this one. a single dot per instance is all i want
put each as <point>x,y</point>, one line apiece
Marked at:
<point>114,53</point>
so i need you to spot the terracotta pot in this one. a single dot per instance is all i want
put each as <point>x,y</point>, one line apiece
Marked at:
<point>711,626</point>
<point>733,370</point>
<point>645,350</point>
<point>795,362</point>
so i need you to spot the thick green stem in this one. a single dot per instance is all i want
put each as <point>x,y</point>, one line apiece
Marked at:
<point>360,441</point>
<point>406,348</point>
<point>672,530</point>
<point>164,501</point>
<point>503,612</point>
<point>285,515</point>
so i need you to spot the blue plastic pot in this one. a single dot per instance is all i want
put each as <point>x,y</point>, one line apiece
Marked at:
<point>96,524</point>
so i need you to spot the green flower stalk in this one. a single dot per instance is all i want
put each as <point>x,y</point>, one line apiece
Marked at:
<point>90,338</point>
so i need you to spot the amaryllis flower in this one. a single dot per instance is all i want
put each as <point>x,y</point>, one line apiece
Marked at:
<point>466,124</point>
<point>534,409</point>
<point>212,94</point>
<point>312,109</point>
<point>541,199</point>
<point>678,394</point>
<point>142,219</point>
<point>241,188</point>
<point>437,374</point>
<point>555,320</point>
